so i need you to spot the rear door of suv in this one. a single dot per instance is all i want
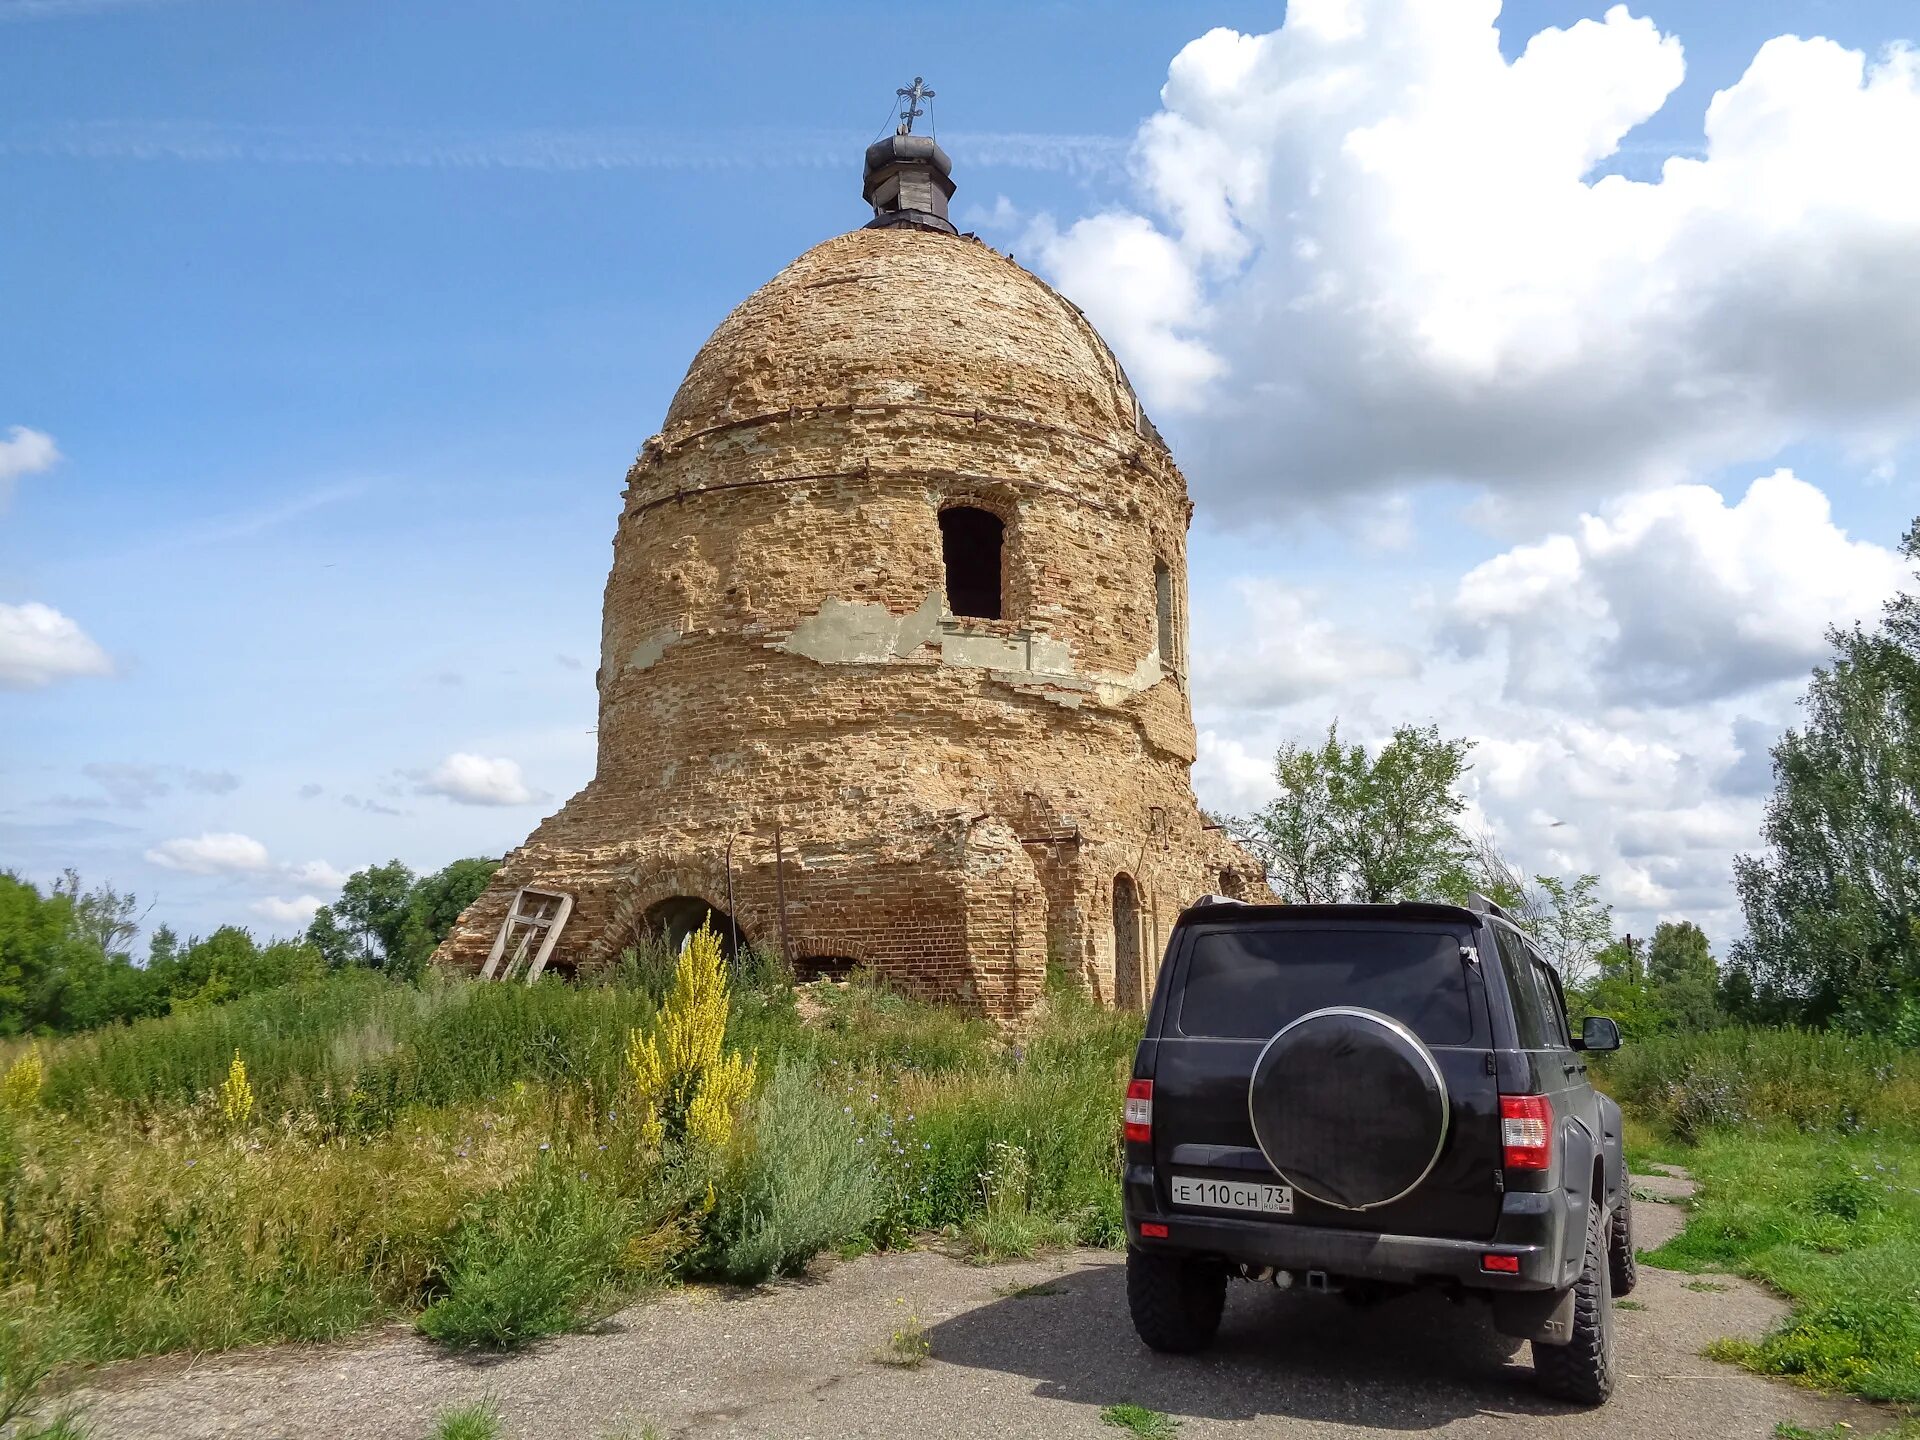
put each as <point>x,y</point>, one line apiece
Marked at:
<point>1229,986</point>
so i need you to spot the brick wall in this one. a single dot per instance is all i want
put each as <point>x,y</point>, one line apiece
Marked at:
<point>954,798</point>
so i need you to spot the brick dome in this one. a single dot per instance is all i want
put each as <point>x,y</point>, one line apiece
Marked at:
<point>893,658</point>
<point>894,316</point>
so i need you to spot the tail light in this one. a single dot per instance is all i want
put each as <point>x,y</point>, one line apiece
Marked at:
<point>1140,1111</point>
<point>1526,1132</point>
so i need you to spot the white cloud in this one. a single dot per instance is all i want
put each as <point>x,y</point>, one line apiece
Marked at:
<point>213,853</point>
<point>39,645</point>
<point>1374,251</point>
<point>1673,596</point>
<point>24,452</point>
<point>1283,651</point>
<point>470,779</point>
<point>1120,267</point>
<point>297,911</point>
<point>316,873</point>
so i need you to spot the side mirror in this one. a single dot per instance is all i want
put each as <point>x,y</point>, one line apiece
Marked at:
<point>1599,1033</point>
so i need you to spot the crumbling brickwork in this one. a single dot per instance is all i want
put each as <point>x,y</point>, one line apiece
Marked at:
<point>796,730</point>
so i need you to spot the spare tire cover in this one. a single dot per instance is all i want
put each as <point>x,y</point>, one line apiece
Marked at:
<point>1349,1107</point>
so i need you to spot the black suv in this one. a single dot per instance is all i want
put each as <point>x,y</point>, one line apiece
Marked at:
<point>1369,1099</point>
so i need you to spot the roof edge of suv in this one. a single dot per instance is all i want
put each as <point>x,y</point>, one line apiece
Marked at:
<point>1242,910</point>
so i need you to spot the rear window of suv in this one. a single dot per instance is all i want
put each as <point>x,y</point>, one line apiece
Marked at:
<point>1247,984</point>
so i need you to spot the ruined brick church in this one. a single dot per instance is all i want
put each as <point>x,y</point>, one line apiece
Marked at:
<point>893,661</point>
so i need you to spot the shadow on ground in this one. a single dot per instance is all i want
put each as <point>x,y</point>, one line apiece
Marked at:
<point>1413,1363</point>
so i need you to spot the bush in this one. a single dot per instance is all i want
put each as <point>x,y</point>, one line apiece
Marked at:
<point>530,1260</point>
<point>1808,1080</point>
<point>806,1182</point>
<point>865,1025</point>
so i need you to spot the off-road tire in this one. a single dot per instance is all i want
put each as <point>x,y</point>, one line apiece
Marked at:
<point>1581,1371</point>
<point>1175,1303</point>
<point>1623,1265</point>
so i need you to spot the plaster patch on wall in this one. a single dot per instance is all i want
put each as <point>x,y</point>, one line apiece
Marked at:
<point>843,631</point>
<point>1148,673</point>
<point>648,652</point>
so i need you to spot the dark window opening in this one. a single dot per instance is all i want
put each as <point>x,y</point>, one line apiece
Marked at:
<point>836,968</point>
<point>1247,984</point>
<point>672,921</point>
<point>970,545</point>
<point>1163,613</point>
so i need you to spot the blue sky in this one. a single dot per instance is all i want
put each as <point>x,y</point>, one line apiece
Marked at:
<point>347,319</point>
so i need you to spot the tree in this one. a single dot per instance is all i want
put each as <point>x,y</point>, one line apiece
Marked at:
<point>1349,827</point>
<point>1622,993</point>
<point>104,917</point>
<point>386,917</point>
<point>372,910</point>
<point>229,963</point>
<point>38,942</point>
<point>1490,872</point>
<point>1571,926</point>
<point>1682,975</point>
<point>436,902</point>
<point>1831,906</point>
<point>336,946</point>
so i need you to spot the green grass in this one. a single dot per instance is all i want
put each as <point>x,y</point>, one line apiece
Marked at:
<point>477,1421</point>
<point>1138,1420</point>
<point>462,1156</point>
<point>1833,1223</point>
<point>1806,1147</point>
<point>1687,1086</point>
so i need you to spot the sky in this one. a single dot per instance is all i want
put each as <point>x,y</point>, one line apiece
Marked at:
<point>1550,374</point>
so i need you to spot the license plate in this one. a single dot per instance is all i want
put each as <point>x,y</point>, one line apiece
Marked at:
<point>1250,1195</point>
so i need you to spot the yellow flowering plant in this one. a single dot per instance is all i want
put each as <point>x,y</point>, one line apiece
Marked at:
<point>685,1083</point>
<point>20,1087</point>
<point>236,1094</point>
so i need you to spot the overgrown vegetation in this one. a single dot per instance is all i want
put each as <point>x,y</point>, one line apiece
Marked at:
<point>67,965</point>
<point>1834,1224</point>
<point>1807,1149</point>
<point>1830,904</point>
<point>1816,1082</point>
<point>502,1162</point>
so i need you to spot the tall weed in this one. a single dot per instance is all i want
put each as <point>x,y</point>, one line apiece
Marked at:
<point>807,1181</point>
<point>529,1260</point>
<point>1808,1080</point>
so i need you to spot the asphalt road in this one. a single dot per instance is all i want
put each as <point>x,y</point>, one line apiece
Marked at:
<point>797,1361</point>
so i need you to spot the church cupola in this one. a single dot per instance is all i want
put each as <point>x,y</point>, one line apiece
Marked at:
<point>909,178</point>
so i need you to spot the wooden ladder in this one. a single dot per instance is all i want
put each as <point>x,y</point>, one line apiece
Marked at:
<point>533,912</point>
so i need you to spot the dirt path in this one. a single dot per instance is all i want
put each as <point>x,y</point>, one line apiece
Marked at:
<point>797,1361</point>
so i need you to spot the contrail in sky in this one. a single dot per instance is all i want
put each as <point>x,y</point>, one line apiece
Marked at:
<point>557,150</point>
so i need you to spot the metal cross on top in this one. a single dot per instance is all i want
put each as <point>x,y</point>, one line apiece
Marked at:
<point>910,110</point>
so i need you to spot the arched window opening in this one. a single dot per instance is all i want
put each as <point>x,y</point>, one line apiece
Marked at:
<point>1163,614</point>
<point>672,920</point>
<point>836,968</point>
<point>971,541</point>
<point>1128,991</point>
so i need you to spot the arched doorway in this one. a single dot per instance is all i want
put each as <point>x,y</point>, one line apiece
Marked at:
<point>672,920</point>
<point>1128,992</point>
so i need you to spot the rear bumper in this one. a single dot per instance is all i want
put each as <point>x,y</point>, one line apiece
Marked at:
<point>1532,1228</point>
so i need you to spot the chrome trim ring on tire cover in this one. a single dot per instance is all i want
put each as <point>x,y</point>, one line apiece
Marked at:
<point>1419,1048</point>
